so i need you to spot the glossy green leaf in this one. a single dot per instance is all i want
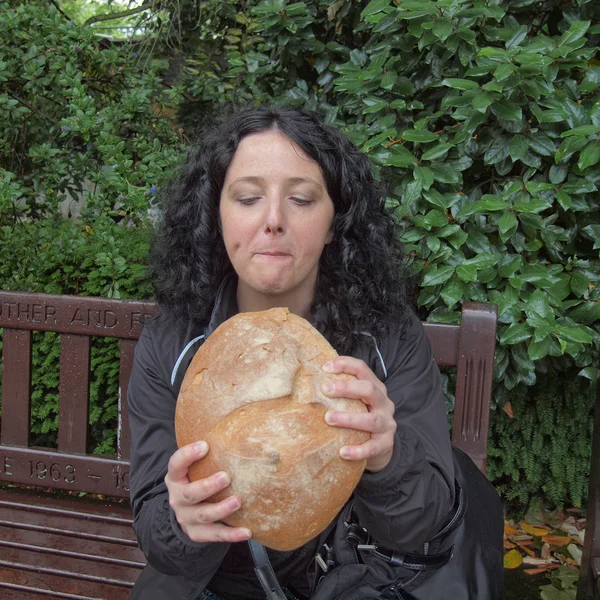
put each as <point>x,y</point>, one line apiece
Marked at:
<point>453,292</point>
<point>507,110</point>
<point>437,275</point>
<point>590,155</point>
<point>518,146</point>
<point>401,157</point>
<point>412,192</point>
<point>374,7</point>
<point>575,31</point>
<point>433,243</point>
<point>437,151</point>
<point>579,283</point>
<point>436,218</point>
<point>460,84</point>
<point>581,130</point>
<point>419,135</point>
<point>424,175</point>
<point>445,173</point>
<point>538,350</point>
<point>538,304</point>
<point>573,334</point>
<point>515,334</point>
<point>507,223</point>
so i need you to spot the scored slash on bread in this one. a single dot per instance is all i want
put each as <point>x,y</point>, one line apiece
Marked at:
<point>253,392</point>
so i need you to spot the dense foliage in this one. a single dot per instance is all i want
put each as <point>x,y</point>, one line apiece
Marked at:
<point>483,117</point>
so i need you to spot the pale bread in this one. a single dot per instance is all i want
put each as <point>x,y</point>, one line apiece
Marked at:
<point>253,392</point>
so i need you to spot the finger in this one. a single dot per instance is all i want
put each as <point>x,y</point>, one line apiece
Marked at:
<point>363,390</point>
<point>208,512</point>
<point>373,422</point>
<point>219,532</point>
<point>200,490</point>
<point>370,449</point>
<point>353,366</point>
<point>182,459</point>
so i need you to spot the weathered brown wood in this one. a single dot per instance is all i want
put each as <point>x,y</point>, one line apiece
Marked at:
<point>474,379</point>
<point>72,472</point>
<point>63,548</point>
<point>444,340</point>
<point>74,314</point>
<point>589,573</point>
<point>74,393</point>
<point>16,387</point>
<point>126,364</point>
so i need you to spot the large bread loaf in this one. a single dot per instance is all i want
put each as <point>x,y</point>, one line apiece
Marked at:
<point>253,392</point>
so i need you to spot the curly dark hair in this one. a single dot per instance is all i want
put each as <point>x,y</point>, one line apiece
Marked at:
<point>361,283</point>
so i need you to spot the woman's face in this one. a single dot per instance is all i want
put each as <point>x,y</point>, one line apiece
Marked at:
<point>276,218</point>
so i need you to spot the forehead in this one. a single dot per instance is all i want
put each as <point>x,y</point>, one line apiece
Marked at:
<point>271,153</point>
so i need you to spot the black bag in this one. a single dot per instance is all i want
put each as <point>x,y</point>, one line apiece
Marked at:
<point>465,562</point>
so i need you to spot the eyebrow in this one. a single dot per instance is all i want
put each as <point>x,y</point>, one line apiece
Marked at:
<point>257,179</point>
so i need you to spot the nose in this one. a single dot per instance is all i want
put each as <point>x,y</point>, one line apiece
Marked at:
<point>274,218</point>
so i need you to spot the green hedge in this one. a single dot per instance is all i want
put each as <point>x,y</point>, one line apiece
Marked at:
<point>482,116</point>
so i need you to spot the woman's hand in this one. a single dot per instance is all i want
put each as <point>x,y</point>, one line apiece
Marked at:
<point>378,421</point>
<point>196,517</point>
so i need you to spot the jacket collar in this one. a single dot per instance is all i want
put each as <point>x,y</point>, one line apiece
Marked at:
<point>226,306</point>
<point>225,303</point>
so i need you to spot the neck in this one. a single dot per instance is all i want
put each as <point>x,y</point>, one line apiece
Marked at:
<point>298,302</point>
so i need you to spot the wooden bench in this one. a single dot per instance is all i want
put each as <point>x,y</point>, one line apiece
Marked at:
<point>589,573</point>
<point>55,544</point>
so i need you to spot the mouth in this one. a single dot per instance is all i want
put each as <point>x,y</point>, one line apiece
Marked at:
<point>272,253</point>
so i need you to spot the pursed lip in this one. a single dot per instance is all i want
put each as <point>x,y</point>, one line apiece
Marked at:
<point>273,253</point>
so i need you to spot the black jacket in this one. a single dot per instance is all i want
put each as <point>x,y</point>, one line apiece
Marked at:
<point>402,506</point>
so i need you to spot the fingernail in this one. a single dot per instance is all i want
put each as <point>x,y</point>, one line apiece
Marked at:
<point>328,366</point>
<point>246,534</point>
<point>223,478</point>
<point>328,387</point>
<point>344,452</point>
<point>330,418</point>
<point>235,503</point>
<point>201,448</point>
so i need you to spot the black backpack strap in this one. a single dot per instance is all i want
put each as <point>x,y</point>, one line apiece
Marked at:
<point>265,573</point>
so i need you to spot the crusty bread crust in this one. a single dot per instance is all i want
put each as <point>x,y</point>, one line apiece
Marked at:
<point>253,392</point>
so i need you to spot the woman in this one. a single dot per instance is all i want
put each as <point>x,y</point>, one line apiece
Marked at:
<point>276,208</point>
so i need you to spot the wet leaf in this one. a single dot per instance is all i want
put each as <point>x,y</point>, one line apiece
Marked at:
<point>513,559</point>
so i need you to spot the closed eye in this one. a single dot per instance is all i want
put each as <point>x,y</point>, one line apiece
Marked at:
<point>301,201</point>
<point>247,201</point>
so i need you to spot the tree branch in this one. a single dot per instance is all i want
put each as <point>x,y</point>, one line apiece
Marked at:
<point>60,10</point>
<point>118,15</point>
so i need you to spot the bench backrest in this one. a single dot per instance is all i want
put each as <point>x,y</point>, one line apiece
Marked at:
<point>469,347</point>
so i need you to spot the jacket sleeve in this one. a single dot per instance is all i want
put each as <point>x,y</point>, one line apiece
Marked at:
<point>407,503</point>
<point>152,403</point>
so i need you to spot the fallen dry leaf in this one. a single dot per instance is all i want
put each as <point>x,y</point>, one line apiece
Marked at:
<point>507,408</point>
<point>545,551</point>
<point>512,559</point>
<point>508,545</point>
<point>526,549</point>
<point>575,553</point>
<point>556,540</point>
<point>532,560</point>
<point>534,530</point>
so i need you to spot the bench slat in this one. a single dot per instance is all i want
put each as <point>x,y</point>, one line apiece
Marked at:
<point>14,591</point>
<point>58,583</point>
<point>74,314</point>
<point>74,393</point>
<point>16,387</point>
<point>444,340</point>
<point>126,364</point>
<point>474,380</point>
<point>48,468</point>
